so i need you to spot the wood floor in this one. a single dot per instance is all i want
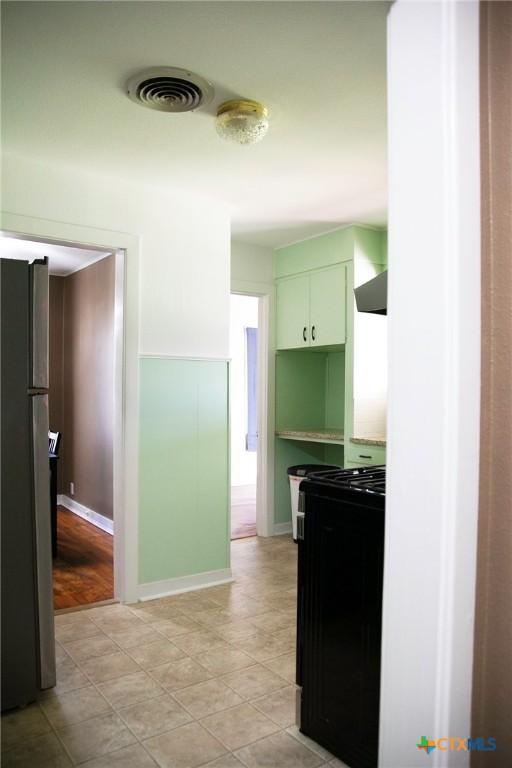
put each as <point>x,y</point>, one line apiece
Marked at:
<point>243,521</point>
<point>243,511</point>
<point>83,571</point>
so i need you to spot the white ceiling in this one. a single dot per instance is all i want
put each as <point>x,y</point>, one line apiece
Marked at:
<point>62,260</point>
<point>320,67</point>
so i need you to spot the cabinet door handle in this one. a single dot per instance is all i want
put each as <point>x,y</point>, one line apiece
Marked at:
<point>364,456</point>
<point>313,334</point>
<point>305,333</point>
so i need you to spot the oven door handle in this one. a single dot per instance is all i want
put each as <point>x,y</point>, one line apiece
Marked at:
<point>300,526</point>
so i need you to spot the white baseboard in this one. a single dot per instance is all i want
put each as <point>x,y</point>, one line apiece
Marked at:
<point>100,521</point>
<point>280,529</point>
<point>154,589</point>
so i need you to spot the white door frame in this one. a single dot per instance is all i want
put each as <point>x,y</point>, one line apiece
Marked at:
<point>126,330</point>
<point>265,292</point>
<point>434,380</point>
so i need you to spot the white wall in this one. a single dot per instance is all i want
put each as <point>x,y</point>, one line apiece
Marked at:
<point>251,263</point>
<point>434,380</point>
<point>184,263</point>
<point>244,314</point>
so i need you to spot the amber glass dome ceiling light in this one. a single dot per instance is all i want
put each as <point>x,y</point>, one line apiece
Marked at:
<point>242,121</point>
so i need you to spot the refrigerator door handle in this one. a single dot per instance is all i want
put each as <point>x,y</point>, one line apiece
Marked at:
<point>43,541</point>
<point>39,320</point>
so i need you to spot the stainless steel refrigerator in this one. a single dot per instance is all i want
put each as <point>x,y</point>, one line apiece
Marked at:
<point>28,645</point>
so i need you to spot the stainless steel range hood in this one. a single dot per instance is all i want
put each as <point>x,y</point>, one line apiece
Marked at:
<point>373,295</point>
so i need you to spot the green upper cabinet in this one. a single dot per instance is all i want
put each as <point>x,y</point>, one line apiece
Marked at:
<point>327,306</point>
<point>311,309</point>
<point>293,312</point>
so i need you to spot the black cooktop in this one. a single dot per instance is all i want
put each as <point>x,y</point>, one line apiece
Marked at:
<point>363,479</point>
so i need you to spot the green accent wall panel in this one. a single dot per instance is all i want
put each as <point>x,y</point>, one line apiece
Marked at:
<point>184,471</point>
<point>335,390</point>
<point>370,245</point>
<point>310,390</point>
<point>299,377</point>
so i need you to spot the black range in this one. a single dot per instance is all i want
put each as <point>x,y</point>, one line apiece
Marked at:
<point>341,553</point>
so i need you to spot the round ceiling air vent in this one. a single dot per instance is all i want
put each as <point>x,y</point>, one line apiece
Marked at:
<point>169,89</point>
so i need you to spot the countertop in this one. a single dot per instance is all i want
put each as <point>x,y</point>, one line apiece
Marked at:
<point>379,441</point>
<point>312,435</point>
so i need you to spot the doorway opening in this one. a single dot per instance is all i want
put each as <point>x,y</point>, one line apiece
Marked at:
<point>82,322</point>
<point>244,413</point>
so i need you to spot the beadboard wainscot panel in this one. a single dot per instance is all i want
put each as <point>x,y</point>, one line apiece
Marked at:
<point>183,468</point>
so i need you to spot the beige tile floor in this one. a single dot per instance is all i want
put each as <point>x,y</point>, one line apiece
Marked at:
<point>205,678</point>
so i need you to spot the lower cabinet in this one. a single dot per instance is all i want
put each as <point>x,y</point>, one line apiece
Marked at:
<point>357,455</point>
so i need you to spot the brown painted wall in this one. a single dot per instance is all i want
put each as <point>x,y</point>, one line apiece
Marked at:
<point>55,400</point>
<point>86,396</point>
<point>492,686</point>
